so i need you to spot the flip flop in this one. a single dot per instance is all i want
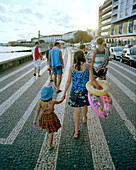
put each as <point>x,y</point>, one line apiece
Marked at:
<point>51,150</point>
<point>59,91</point>
<point>76,135</point>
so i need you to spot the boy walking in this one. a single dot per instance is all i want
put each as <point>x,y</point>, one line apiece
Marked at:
<point>37,57</point>
<point>100,60</point>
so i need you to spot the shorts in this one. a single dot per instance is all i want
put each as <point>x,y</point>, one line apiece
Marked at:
<point>37,63</point>
<point>100,74</point>
<point>57,70</point>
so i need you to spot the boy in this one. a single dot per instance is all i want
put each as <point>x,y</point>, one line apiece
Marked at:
<point>100,60</point>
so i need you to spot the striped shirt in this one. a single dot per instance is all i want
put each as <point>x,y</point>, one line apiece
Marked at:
<point>98,58</point>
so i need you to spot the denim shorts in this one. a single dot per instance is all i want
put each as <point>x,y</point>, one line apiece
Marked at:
<point>100,74</point>
<point>57,70</point>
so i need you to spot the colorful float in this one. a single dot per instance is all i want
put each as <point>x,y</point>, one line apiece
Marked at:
<point>94,95</point>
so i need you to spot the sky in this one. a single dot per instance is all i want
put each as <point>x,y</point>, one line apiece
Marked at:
<point>21,19</point>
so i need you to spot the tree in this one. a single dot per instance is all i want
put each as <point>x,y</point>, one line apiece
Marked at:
<point>82,36</point>
<point>41,41</point>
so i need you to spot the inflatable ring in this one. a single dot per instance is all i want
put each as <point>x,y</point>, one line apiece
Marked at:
<point>103,83</point>
<point>101,111</point>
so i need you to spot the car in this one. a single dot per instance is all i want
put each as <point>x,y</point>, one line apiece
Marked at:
<point>129,55</point>
<point>116,52</point>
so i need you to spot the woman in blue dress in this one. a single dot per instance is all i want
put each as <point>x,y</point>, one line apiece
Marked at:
<point>79,74</point>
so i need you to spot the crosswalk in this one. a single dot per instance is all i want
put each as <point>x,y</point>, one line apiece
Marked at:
<point>99,145</point>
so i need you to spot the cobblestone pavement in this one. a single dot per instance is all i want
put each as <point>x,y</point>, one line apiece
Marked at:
<point>102,143</point>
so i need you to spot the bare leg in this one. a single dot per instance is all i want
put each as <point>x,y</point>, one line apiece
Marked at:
<point>38,71</point>
<point>35,70</point>
<point>50,140</point>
<point>85,110</point>
<point>59,81</point>
<point>55,80</point>
<point>76,119</point>
<point>50,73</point>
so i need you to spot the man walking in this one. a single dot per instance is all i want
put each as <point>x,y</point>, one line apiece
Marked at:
<point>56,61</point>
<point>47,56</point>
<point>37,57</point>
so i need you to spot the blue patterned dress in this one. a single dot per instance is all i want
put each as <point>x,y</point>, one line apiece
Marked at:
<point>78,95</point>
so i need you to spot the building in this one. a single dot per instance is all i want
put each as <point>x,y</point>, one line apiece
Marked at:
<point>93,32</point>
<point>68,35</point>
<point>51,38</point>
<point>117,21</point>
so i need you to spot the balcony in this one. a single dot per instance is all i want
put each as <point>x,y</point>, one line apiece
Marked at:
<point>105,11</point>
<point>114,4</point>
<point>106,17</point>
<point>114,11</point>
<point>107,23</point>
<point>105,4</point>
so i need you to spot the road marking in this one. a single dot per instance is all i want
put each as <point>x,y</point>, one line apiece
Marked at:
<point>123,116</point>
<point>6,104</point>
<point>12,136</point>
<point>14,72</point>
<point>128,92</point>
<point>99,147</point>
<point>123,68</point>
<point>123,75</point>
<point>45,160</point>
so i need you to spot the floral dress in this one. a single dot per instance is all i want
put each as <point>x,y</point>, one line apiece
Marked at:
<point>78,95</point>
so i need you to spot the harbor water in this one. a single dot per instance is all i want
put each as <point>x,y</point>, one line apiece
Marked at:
<point>8,52</point>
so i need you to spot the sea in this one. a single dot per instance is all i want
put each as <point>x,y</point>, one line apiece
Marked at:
<point>9,52</point>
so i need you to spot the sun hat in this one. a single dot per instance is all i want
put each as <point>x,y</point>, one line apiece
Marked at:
<point>46,92</point>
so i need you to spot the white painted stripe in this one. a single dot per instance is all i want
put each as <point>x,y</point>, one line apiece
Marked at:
<point>124,68</point>
<point>45,160</point>
<point>14,81</point>
<point>123,75</point>
<point>14,72</point>
<point>99,147</point>
<point>128,92</point>
<point>123,116</point>
<point>6,104</point>
<point>12,136</point>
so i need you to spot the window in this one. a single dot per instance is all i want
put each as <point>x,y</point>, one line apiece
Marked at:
<point>121,14</point>
<point>122,5</point>
<point>126,12</point>
<point>128,2</point>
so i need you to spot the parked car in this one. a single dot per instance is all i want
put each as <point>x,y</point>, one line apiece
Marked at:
<point>116,52</point>
<point>129,55</point>
<point>128,46</point>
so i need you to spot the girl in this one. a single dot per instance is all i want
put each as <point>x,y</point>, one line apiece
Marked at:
<point>79,74</point>
<point>48,118</point>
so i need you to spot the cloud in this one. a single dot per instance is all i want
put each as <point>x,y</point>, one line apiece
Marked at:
<point>5,19</point>
<point>39,15</point>
<point>25,11</point>
<point>3,8</point>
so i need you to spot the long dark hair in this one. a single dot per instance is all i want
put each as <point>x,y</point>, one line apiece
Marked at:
<point>78,58</point>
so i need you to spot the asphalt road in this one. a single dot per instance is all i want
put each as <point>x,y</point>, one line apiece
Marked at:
<point>102,144</point>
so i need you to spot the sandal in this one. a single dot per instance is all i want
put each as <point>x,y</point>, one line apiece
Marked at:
<point>84,121</point>
<point>51,150</point>
<point>76,135</point>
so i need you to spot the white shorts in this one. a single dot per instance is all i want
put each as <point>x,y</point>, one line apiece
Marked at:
<point>38,63</point>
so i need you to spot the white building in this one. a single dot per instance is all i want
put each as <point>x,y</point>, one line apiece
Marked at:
<point>117,21</point>
<point>68,35</point>
<point>51,38</point>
